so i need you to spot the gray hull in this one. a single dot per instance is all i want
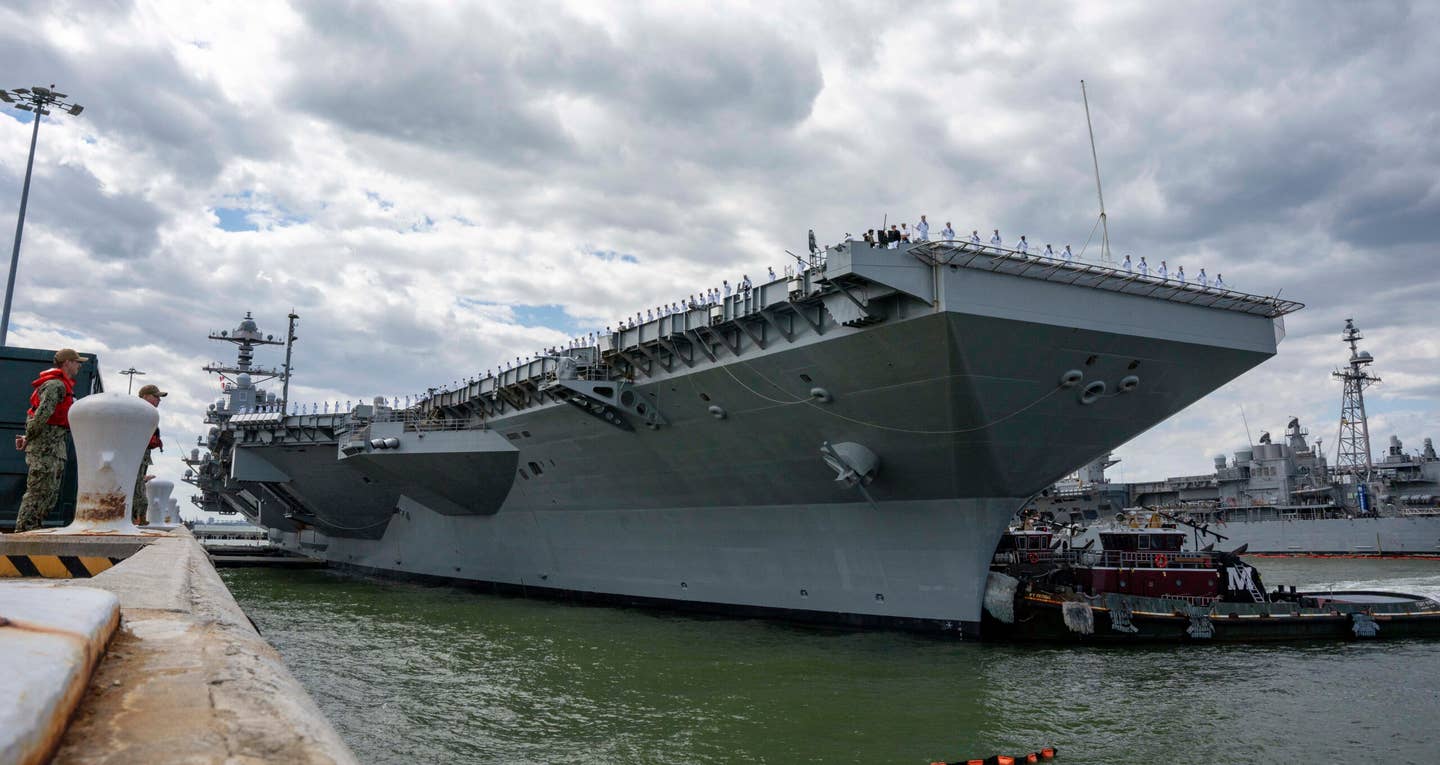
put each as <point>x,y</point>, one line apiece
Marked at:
<point>1402,535</point>
<point>960,392</point>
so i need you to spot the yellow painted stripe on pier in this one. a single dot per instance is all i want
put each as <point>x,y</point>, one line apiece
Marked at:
<point>50,567</point>
<point>95,565</point>
<point>7,569</point>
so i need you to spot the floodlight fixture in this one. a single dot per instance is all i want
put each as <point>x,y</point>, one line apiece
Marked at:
<point>35,99</point>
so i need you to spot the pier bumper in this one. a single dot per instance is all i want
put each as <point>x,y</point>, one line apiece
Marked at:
<point>51,638</point>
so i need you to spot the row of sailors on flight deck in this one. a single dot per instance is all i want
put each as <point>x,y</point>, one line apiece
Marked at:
<point>899,233</point>
<point>921,233</point>
<point>318,408</point>
<point>702,299</point>
<point>1163,272</point>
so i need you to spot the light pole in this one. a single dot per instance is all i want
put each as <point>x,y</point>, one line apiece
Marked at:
<point>130,373</point>
<point>37,100</point>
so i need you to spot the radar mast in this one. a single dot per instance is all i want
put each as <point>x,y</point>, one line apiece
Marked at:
<point>1353,450</point>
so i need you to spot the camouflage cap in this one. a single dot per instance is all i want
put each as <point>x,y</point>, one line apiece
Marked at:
<point>68,354</point>
<point>152,390</point>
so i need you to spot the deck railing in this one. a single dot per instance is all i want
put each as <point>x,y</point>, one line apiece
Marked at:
<point>1183,560</point>
<point>1034,266</point>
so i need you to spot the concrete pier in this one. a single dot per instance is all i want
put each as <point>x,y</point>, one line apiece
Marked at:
<point>185,678</point>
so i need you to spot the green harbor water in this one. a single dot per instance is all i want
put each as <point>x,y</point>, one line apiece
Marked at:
<point>429,674</point>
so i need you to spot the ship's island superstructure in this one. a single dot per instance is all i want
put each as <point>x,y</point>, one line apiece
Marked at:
<point>847,444</point>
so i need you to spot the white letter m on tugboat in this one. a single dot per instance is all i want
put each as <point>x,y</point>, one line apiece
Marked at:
<point>1239,578</point>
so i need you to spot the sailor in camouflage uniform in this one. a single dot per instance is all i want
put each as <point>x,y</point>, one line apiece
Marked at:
<point>140,505</point>
<point>46,424</point>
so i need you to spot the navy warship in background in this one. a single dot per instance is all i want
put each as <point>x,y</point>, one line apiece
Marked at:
<point>846,444</point>
<point>1280,498</point>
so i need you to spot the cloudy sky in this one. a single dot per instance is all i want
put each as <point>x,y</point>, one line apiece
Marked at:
<point>437,187</point>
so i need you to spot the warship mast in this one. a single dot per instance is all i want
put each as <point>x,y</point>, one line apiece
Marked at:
<point>1353,449</point>
<point>242,388</point>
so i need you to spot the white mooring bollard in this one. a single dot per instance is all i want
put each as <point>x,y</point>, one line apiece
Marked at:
<point>150,492</point>
<point>111,431</point>
<point>170,514</point>
<point>159,492</point>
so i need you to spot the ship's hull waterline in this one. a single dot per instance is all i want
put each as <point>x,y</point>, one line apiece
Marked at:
<point>972,403</point>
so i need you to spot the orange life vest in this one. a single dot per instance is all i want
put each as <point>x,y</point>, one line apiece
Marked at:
<point>61,415</point>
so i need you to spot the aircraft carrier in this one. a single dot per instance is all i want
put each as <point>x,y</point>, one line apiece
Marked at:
<point>846,444</point>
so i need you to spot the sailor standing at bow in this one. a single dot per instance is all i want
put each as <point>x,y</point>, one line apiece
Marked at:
<point>995,240</point>
<point>948,232</point>
<point>922,230</point>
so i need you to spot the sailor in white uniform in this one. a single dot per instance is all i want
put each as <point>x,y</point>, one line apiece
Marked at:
<point>1023,246</point>
<point>1180,274</point>
<point>1144,267</point>
<point>974,236</point>
<point>1049,253</point>
<point>948,232</point>
<point>995,240</point>
<point>1203,279</point>
<point>1219,281</point>
<point>922,230</point>
<point>1126,264</point>
<point>1162,271</point>
<point>1067,254</point>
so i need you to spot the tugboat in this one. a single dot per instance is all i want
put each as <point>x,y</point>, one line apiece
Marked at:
<point>1141,585</point>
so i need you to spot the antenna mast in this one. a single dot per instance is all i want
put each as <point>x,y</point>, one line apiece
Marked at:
<point>1352,453</point>
<point>1104,224</point>
<point>285,373</point>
